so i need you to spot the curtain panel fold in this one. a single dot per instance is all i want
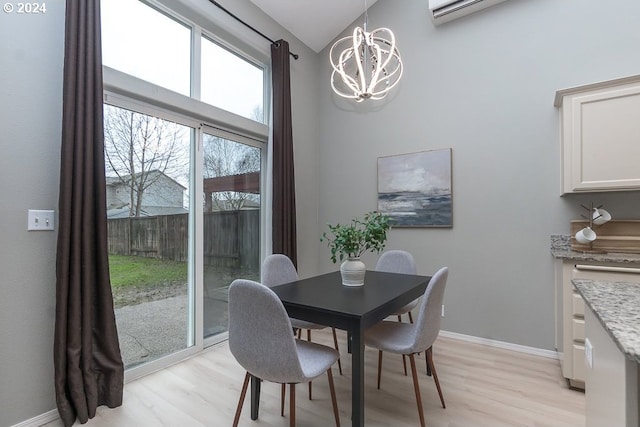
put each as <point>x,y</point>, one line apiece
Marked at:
<point>284,191</point>
<point>88,366</point>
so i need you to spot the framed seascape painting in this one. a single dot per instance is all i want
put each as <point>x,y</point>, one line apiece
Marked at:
<point>415,190</point>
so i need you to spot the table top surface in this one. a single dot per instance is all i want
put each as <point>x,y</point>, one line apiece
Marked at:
<point>327,294</point>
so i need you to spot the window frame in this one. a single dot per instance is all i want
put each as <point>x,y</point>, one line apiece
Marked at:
<point>162,10</point>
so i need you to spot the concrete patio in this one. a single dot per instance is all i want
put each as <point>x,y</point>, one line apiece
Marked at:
<point>154,329</point>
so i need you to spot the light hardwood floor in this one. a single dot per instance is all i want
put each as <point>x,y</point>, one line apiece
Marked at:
<point>482,386</point>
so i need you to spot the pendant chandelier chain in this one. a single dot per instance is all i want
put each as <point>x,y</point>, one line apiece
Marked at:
<point>366,16</point>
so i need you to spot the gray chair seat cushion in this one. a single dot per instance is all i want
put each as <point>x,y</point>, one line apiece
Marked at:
<point>394,337</point>
<point>401,262</point>
<point>407,308</point>
<point>315,359</point>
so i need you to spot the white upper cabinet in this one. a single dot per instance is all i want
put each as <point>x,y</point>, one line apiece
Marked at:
<point>600,134</point>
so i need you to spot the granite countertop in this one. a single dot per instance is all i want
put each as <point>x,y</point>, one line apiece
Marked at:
<point>586,256</point>
<point>617,307</point>
<point>561,248</point>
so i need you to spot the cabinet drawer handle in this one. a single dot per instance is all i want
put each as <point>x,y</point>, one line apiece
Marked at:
<point>630,270</point>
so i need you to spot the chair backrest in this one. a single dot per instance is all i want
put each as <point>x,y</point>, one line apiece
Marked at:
<point>260,334</point>
<point>396,261</point>
<point>278,269</point>
<point>427,325</point>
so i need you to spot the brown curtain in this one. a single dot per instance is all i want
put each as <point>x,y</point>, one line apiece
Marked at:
<point>87,361</point>
<point>284,189</point>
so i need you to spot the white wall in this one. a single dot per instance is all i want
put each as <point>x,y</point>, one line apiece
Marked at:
<point>483,85</point>
<point>31,61</point>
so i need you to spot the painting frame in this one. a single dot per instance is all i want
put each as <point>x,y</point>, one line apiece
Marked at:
<point>416,189</point>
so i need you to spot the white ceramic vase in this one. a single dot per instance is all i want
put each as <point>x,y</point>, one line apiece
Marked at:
<point>353,271</point>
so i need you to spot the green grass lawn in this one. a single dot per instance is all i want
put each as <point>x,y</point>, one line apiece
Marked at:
<point>137,279</point>
<point>140,272</point>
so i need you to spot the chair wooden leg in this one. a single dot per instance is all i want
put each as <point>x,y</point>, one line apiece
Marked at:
<point>416,388</point>
<point>410,318</point>
<point>243,393</point>
<point>379,367</point>
<point>292,405</point>
<point>334,402</point>
<point>335,344</point>
<point>435,375</point>
<point>282,396</point>
<point>309,339</point>
<point>426,359</point>
<point>404,360</point>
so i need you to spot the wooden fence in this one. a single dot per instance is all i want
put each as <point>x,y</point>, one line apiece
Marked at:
<point>231,238</point>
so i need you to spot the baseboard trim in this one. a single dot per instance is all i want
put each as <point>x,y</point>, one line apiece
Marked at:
<point>501,344</point>
<point>40,420</point>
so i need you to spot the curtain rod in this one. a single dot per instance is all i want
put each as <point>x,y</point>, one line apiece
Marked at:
<point>214,2</point>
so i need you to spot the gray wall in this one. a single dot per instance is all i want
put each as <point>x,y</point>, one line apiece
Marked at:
<point>483,85</point>
<point>31,53</point>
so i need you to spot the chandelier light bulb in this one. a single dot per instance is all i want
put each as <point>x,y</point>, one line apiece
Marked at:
<point>366,65</point>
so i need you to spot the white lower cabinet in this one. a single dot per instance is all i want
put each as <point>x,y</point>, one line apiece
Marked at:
<point>571,327</point>
<point>570,311</point>
<point>612,381</point>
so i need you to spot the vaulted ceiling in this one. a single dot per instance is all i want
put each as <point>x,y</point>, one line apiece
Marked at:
<point>315,22</point>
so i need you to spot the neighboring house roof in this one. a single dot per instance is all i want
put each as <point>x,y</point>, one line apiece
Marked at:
<point>115,180</point>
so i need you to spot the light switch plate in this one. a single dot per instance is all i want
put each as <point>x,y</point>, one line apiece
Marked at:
<point>40,220</point>
<point>588,353</point>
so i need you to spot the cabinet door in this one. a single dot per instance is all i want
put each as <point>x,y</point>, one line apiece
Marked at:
<point>601,139</point>
<point>612,380</point>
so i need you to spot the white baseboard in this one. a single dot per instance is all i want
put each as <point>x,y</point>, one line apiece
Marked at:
<point>501,344</point>
<point>40,420</point>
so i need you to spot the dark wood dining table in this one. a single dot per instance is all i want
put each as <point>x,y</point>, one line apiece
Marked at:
<point>325,300</point>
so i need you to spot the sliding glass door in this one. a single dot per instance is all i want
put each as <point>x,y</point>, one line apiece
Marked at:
<point>231,220</point>
<point>148,203</point>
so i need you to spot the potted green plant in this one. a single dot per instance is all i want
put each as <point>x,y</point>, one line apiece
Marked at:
<point>349,241</point>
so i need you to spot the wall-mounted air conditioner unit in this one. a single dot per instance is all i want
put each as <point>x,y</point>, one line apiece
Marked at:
<point>448,10</point>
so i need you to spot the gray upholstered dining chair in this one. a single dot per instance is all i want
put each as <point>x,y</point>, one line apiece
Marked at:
<point>398,261</point>
<point>409,339</point>
<point>278,269</point>
<point>261,341</point>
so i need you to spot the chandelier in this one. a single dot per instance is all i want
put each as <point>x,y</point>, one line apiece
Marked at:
<point>366,65</point>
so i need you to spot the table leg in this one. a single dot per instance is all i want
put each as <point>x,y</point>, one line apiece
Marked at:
<point>255,397</point>
<point>357,380</point>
